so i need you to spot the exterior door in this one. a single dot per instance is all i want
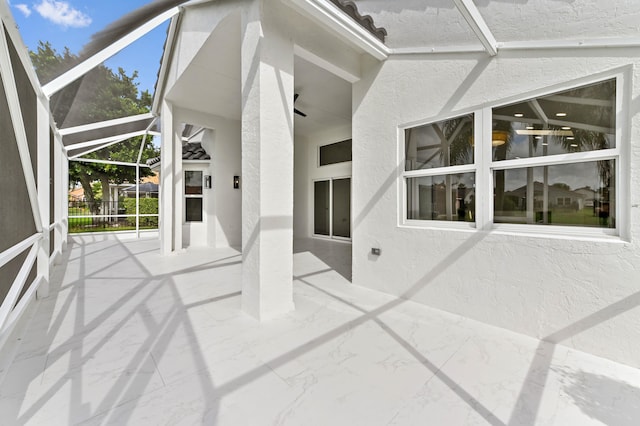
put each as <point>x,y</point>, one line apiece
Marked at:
<point>332,208</point>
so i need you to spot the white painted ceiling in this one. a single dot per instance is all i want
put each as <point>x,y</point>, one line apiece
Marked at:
<point>324,97</point>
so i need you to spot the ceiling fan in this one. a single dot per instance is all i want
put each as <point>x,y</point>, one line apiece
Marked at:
<point>295,110</point>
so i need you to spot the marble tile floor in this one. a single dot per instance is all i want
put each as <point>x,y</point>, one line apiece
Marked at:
<point>130,337</point>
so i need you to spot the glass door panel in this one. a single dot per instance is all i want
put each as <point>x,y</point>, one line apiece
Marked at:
<point>342,208</point>
<point>321,225</point>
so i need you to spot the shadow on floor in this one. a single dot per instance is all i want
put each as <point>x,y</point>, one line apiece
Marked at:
<point>336,254</point>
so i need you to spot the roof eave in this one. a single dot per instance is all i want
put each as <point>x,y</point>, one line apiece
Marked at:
<point>344,26</point>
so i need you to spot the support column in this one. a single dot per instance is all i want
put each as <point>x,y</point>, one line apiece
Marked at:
<point>44,181</point>
<point>267,165</point>
<point>170,225</point>
<point>60,198</point>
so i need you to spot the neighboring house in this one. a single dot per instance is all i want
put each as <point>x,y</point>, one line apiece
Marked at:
<point>146,190</point>
<point>77,195</point>
<point>557,197</point>
<point>590,195</point>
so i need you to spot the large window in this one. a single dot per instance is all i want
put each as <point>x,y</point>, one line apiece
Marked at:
<point>560,157</point>
<point>439,170</point>
<point>546,161</point>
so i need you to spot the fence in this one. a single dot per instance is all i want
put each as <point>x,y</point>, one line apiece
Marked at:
<point>117,215</point>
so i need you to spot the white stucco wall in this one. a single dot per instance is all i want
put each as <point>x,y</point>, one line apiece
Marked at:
<point>581,292</point>
<point>307,170</point>
<point>222,225</point>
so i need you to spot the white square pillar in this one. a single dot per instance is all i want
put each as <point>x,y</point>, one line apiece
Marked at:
<point>44,181</point>
<point>267,165</point>
<point>167,191</point>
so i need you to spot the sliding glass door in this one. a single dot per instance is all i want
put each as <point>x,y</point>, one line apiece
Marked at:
<point>332,208</point>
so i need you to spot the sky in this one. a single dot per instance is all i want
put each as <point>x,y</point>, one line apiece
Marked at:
<point>70,23</point>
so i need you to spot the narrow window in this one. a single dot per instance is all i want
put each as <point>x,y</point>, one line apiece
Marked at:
<point>193,196</point>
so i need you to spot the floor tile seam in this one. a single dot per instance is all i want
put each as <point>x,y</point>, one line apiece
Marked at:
<point>442,365</point>
<point>155,364</point>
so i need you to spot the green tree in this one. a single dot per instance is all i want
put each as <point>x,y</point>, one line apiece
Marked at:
<point>101,94</point>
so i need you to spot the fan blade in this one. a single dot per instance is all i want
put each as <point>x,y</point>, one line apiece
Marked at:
<point>299,112</point>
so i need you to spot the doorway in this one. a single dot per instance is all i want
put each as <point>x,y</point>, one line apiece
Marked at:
<point>332,208</point>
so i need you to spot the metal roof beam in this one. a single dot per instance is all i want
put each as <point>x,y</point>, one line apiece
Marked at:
<point>477,23</point>
<point>103,140</point>
<point>84,67</point>
<point>107,123</point>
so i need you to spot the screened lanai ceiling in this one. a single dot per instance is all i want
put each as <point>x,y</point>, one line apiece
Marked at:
<point>407,27</point>
<point>441,25</point>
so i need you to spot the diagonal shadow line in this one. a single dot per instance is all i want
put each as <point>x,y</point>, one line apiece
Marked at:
<point>213,300</point>
<point>205,384</point>
<point>332,334</point>
<point>541,363</point>
<point>160,345</point>
<point>28,414</point>
<point>437,371</point>
<point>197,268</point>
<point>53,389</point>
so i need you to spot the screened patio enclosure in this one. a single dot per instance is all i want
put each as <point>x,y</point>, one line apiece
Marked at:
<point>491,167</point>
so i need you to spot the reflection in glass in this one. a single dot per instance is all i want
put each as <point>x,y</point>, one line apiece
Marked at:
<point>577,194</point>
<point>334,153</point>
<point>193,209</point>
<point>443,197</point>
<point>342,208</point>
<point>577,120</point>
<point>442,144</point>
<point>192,182</point>
<point>321,207</point>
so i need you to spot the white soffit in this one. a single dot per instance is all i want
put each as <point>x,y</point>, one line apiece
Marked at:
<point>342,25</point>
<point>433,25</point>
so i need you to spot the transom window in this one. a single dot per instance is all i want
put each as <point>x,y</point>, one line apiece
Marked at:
<point>339,152</point>
<point>551,161</point>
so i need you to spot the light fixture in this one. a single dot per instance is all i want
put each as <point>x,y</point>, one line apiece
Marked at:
<point>236,182</point>
<point>574,145</point>
<point>570,138</point>
<point>499,137</point>
<point>544,132</point>
<point>538,137</point>
<point>529,127</point>
<point>518,114</point>
<point>561,114</point>
<point>566,128</point>
<point>545,143</point>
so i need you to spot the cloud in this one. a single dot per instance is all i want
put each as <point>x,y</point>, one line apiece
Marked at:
<point>62,13</point>
<point>24,9</point>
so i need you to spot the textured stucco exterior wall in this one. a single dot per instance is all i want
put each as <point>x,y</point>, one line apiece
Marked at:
<point>580,292</point>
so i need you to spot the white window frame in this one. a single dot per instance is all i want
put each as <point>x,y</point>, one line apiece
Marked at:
<point>437,171</point>
<point>331,236</point>
<point>186,196</point>
<point>484,167</point>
